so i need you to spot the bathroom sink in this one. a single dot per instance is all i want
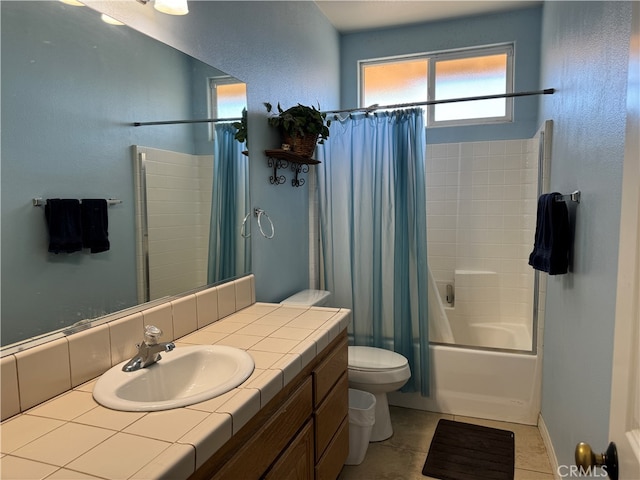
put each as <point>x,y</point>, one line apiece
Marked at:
<point>185,376</point>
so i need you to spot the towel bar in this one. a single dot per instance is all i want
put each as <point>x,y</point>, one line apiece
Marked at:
<point>40,202</point>
<point>574,197</point>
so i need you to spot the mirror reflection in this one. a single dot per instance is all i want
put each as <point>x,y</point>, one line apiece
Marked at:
<point>72,88</point>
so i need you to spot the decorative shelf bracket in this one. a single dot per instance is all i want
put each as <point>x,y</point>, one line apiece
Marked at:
<point>298,168</point>
<point>276,164</point>
<point>280,159</point>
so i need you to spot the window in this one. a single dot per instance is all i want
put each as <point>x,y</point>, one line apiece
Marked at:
<point>228,97</point>
<point>444,75</point>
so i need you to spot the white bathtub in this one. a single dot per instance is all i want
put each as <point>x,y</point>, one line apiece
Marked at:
<point>482,316</point>
<point>512,336</point>
<point>478,383</point>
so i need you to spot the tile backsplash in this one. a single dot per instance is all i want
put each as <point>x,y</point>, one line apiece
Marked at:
<point>37,374</point>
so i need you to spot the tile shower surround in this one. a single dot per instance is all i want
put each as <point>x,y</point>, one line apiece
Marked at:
<point>481,209</point>
<point>55,430</point>
<point>178,208</point>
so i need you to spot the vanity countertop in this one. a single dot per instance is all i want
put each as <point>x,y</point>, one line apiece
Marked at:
<point>73,437</point>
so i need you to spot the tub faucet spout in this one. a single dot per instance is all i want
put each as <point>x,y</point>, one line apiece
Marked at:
<point>149,350</point>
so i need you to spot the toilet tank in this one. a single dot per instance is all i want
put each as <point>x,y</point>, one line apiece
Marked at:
<point>310,298</point>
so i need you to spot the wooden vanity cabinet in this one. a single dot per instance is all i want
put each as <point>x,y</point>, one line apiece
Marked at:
<point>331,409</point>
<point>301,434</point>
<point>296,462</point>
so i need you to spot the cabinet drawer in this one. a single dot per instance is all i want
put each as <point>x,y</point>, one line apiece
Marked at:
<point>296,463</point>
<point>331,413</point>
<point>330,465</point>
<point>253,459</point>
<point>327,373</point>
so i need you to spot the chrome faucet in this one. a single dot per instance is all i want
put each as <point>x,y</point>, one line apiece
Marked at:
<point>149,350</point>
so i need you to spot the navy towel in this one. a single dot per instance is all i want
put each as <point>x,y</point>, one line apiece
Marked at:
<point>64,225</point>
<point>95,224</point>
<point>551,247</point>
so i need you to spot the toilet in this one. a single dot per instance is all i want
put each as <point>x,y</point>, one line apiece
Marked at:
<point>378,371</point>
<point>374,370</point>
<point>309,298</point>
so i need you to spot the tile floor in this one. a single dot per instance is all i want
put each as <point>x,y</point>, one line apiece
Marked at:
<point>402,456</point>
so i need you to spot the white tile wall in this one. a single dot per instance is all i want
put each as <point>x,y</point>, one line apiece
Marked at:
<point>178,190</point>
<point>481,209</point>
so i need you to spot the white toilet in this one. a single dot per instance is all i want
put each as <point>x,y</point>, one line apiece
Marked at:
<point>374,370</point>
<point>378,371</point>
<point>310,298</point>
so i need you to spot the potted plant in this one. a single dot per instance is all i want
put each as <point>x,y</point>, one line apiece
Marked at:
<point>241,126</point>
<point>301,127</point>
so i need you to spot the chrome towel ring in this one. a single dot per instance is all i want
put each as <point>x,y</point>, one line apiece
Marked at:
<point>258,212</point>
<point>244,226</point>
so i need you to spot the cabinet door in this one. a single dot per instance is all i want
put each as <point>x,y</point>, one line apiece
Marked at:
<point>296,462</point>
<point>330,414</point>
<point>254,458</point>
<point>329,372</point>
<point>330,465</point>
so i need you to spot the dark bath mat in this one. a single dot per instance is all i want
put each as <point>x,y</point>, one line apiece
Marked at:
<point>462,451</point>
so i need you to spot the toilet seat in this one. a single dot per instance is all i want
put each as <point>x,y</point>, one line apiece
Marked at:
<point>372,359</point>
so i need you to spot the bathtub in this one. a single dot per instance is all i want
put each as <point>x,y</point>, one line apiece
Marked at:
<point>479,383</point>
<point>512,336</point>
<point>469,379</point>
<point>477,319</point>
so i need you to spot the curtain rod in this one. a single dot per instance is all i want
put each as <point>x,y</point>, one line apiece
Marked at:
<point>547,91</point>
<point>173,122</point>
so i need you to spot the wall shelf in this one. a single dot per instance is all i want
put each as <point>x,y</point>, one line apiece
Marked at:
<point>280,159</point>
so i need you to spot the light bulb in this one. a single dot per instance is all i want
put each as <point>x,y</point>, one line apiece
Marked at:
<point>110,20</point>
<point>172,7</point>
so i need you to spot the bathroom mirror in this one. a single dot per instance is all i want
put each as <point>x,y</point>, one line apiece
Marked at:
<point>72,87</point>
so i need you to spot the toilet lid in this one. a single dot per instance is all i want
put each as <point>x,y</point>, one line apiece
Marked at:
<point>372,358</point>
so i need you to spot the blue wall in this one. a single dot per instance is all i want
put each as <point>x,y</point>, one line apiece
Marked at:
<point>519,26</point>
<point>71,86</point>
<point>585,47</point>
<point>286,52</point>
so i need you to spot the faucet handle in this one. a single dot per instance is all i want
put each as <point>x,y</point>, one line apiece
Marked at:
<point>151,334</point>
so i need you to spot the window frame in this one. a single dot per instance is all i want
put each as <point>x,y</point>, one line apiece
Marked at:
<point>432,58</point>
<point>212,93</point>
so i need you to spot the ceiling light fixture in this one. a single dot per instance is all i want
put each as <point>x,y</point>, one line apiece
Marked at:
<point>172,7</point>
<point>75,3</point>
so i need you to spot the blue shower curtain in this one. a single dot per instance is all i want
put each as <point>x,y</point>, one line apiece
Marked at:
<point>228,249</point>
<point>373,233</point>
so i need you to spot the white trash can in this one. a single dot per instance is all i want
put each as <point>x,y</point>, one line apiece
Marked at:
<point>362,416</point>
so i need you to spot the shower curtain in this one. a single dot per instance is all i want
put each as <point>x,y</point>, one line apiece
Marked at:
<point>373,233</point>
<point>229,252</point>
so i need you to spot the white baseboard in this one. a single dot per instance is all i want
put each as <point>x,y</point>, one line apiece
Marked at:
<point>546,439</point>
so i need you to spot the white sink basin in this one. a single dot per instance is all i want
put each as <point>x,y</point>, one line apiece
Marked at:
<point>185,376</point>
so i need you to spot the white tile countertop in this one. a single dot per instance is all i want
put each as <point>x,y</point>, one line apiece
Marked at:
<point>73,437</point>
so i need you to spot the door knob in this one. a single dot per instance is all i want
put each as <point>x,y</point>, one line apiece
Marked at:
<point>586,459</point>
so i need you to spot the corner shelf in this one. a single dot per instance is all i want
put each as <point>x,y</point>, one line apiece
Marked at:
<point>280,159</point>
